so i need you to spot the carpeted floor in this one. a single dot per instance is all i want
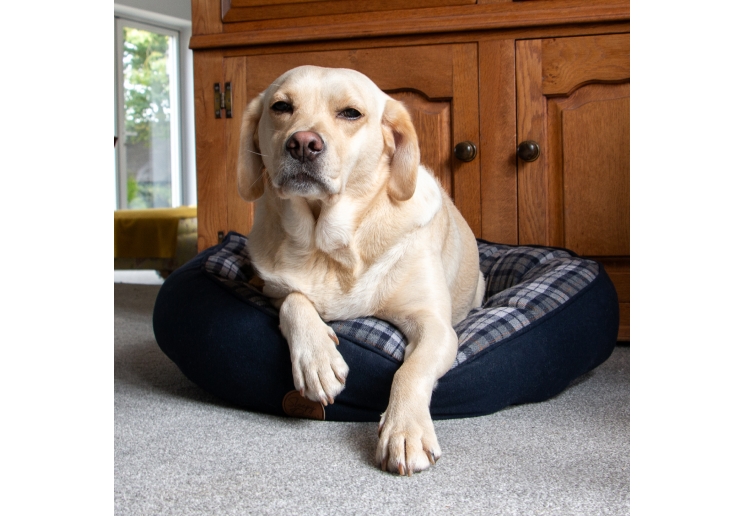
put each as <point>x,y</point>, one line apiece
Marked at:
<point>179,451</point>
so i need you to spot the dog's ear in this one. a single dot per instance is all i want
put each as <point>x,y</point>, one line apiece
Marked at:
<point>250,164</point>
<point>401,141</point>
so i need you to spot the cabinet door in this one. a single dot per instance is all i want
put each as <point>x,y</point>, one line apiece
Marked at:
<point>573,99</point>
<point>438,84</point>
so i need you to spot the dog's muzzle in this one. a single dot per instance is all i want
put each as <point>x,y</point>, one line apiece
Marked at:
<point>302,168</point>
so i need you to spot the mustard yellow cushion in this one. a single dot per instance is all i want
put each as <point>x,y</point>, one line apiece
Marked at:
<point>150,233</point>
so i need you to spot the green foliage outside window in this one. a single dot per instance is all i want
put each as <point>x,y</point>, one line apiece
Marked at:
<point>147,85</point>
<point>147,117</point>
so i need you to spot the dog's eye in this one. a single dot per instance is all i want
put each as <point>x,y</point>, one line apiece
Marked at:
<point>281,107</point>
<point>350,114</point>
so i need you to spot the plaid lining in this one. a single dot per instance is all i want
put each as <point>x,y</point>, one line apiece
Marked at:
<point>523,284</point>
<point>374,332</point>
<point>231,261</point>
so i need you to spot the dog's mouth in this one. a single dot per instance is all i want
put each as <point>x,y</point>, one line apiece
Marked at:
<point>303,178</point>
<point>300,180</point>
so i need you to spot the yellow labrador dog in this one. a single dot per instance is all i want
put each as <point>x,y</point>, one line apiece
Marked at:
<point>348,223</point>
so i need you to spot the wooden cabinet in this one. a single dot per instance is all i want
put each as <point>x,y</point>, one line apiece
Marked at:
<point>493,73</point>
<point>573,98</point>
<point>254,10</point>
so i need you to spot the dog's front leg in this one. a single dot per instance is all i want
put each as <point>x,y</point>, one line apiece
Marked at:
<point>408,443</point>
<point>318,369</point>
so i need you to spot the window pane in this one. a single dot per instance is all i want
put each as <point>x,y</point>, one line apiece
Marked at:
<point>148,84</point>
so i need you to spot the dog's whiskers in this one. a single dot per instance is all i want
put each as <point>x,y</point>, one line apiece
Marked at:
<point>260,176</point>
<point>256,153</point>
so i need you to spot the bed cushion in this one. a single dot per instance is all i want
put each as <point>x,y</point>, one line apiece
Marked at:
<point>548,318</point>
<point>162,239</point>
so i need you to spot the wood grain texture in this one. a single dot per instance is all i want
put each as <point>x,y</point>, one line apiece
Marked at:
<point>262,3</point>
<point>553,170</point>
<point>588,171</point>
<point>623,333</point>
<point>210,151</point>
<point>437,20</point>
<point>428,70</point>
<point>498,137</point>
<point>582,175</point>
<point>376,5</point>
<point>568,63</point>
<point>618,269</point>
<point>417,40</point>
<point>596,171</point>
<point>466,126</point>
<point>206,17</point>
<point>250,10</point>
<point>239,212</point>
<point>531,125</point>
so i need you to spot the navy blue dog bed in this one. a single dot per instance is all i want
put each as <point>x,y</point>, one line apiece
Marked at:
<point>548,318</point>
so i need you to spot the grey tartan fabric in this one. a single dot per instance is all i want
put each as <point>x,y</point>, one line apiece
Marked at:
<point>231,261</point>
<point>374,332</point>
<point>523,285</point>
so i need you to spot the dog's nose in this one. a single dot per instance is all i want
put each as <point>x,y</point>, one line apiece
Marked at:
<point>305,145</point>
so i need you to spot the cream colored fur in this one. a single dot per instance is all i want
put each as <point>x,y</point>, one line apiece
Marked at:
<point>371,234</point>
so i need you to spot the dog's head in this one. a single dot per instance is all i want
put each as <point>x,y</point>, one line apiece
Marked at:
<point>319,132</point>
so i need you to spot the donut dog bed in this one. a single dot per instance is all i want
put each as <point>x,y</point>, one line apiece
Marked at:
<point>548,317</point>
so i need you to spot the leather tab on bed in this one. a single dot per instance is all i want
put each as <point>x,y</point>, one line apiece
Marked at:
<point>295,405</point>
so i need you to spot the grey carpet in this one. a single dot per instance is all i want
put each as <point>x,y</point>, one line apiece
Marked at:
<point>180,451</point>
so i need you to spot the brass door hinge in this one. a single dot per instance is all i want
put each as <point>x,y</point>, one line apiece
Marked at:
<point>222,100</point>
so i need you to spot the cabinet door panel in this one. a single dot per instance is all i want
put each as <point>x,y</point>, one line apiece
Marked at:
<point>573,99</point>
<point>596,160</point>
<point>571,62</point>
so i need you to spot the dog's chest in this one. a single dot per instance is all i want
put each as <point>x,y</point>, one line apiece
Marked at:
<point>340,284</point>
<point>344,263</point>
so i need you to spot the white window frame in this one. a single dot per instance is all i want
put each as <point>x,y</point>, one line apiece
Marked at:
<point>183,159</point>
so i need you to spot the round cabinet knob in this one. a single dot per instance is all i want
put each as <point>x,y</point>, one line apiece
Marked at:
<point>465,151</point>
<point>528,150</point>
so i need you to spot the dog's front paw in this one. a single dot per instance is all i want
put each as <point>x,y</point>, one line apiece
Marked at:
<point>407,442</point>
<point>318,369</point>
